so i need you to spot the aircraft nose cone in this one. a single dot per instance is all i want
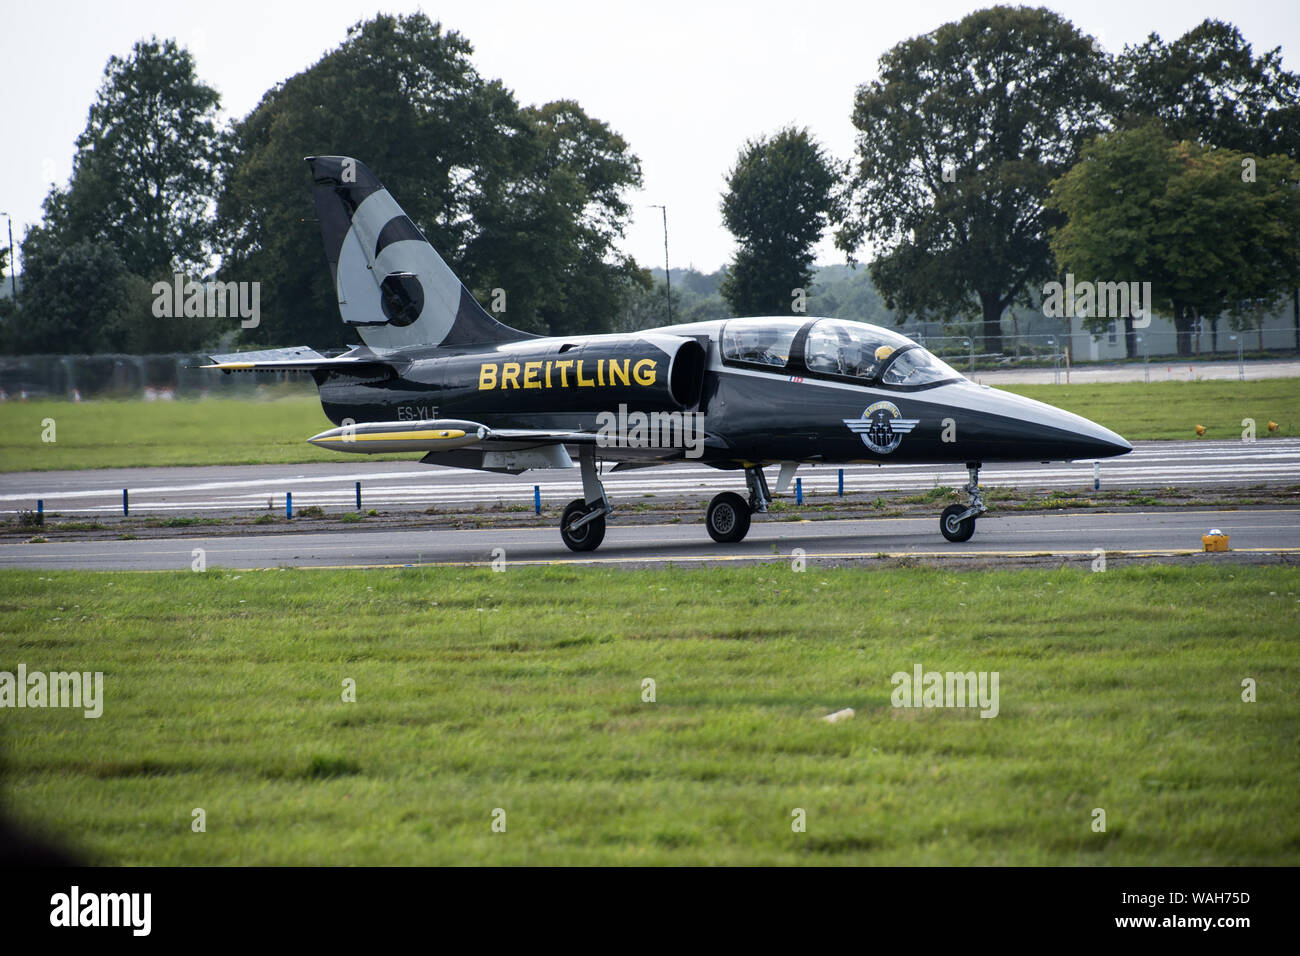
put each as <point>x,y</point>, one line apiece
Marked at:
<point>1105,444</point>
<point>1023,429</point>
<point>1081,437</point>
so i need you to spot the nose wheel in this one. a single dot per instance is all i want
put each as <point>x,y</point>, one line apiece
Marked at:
<point>958,521</point>
<point>955,524</point>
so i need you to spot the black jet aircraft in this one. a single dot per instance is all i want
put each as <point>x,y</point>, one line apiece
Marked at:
<point>439,375</point>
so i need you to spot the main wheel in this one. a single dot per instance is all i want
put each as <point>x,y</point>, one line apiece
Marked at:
<point>589,536</point>
<point>727,518</point>
<point>954,529</point>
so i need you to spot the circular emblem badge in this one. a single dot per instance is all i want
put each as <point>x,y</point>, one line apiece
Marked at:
<point>881,427</point>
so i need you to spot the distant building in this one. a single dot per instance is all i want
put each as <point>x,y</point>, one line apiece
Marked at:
<point>1276,331</point>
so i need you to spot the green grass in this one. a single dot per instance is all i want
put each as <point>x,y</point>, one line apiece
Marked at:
<point>236,432</point>
<point>116,434</point>
<point>1163,410</point>
<point>523,691</point>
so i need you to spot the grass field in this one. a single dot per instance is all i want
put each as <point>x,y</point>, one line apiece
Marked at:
<point>524,691</point>
<point>240,432</point>
<point>1167,410</point>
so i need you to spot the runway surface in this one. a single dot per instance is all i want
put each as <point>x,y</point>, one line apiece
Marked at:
<point>1071,536</point>
<point>411,486</point>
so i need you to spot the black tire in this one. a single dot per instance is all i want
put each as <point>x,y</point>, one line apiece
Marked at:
<point>953,529</point>
<point>589,536</point>
<point>728,518</point>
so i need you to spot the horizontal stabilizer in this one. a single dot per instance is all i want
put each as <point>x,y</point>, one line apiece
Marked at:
<point>299,359</point>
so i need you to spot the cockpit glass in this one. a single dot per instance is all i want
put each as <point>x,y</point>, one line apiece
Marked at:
<point>765,342</point>
<point>917,366</point>
<point>850,348</point>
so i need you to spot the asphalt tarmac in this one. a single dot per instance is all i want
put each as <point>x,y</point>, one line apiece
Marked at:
<point>395,486</point>
<point>998,538</point>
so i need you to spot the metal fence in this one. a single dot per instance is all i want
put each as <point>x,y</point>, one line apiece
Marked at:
<point>969,353</point>
<point>166,377</point>
<point>148,377</point>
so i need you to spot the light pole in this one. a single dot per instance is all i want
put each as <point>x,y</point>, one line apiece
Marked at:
<point>668,276</point>
<point>1241,365</point>
<point>13,262</point>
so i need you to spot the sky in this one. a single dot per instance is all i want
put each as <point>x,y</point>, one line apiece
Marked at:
<point>686,83</point>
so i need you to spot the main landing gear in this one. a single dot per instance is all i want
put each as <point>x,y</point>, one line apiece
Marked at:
<point>729,514</point>
<point>582,526</point>
<point>958,521</point>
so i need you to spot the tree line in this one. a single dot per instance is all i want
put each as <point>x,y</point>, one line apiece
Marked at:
<point>994,155</point>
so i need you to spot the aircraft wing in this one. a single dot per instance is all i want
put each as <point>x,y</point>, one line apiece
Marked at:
<point>464,444</point>
<point>440,434</point>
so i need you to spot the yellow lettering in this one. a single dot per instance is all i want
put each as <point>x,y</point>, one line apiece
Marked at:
<point>644,378</point>
<point>564,365</point>
<point>589,383</point>
<point>531,371</point>
<point>616,372</point>
<point>510,374</point>
<point>548,374</point>
<point>487,376</point>
<point>600,372</point>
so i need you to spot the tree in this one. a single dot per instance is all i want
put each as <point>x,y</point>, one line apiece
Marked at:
<point>547,232</point>
<point>137,207</point>
<point>1207,234</point>
<point>646,307</point>
<point>147,163</point>
<point>77,297</point>
<point>957,142</point>
<point>1208,87</point>
<point>780,199</point>
<point>525,200</point>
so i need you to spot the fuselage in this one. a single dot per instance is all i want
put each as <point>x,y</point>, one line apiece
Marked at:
<point>770,389</point>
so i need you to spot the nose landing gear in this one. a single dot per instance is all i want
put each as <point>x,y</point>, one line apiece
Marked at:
<point>958,521</point>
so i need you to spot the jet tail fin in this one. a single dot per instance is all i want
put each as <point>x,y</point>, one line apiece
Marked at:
<point>391,283</point>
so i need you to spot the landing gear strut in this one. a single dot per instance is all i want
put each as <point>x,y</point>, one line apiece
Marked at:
<point>958,521</point>
<point>582,526</point>
<point>729,515</point>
